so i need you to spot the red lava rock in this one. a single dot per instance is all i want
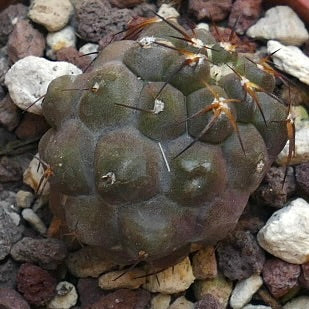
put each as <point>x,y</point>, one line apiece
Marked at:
<point>302,178</point>
<point>280,277</point>
<point>8,18</point>
<point>89,292</point>
<point>125,3</point>
<point>210,9</point>
<point>304,277</point>
<point>25,41</point>
<point>72,55</point>
<point>208,302</point>
<point>271,192</point>
<point>10,299</point>
<point>249,12</point>
<point>244,45</point>
<point>31,126</point>
<point>240,256</point>
<point>36,284</point>
<point>9,113</point>
<point>123,299</point>
<point>96,18</point>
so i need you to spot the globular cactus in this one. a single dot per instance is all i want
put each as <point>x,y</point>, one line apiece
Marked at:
<point>160,144</point>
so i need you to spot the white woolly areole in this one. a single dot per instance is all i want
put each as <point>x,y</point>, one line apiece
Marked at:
<point>146,41</point>
<point>158,106</point>
<point>219,71</point>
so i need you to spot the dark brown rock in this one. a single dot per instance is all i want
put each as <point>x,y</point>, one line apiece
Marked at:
<point>302,178</point>
<point>304,277</point>
<point>240,256</point>
<point>9,113</point>
<point>123,299</point>
<point>31,126</point>
<point>215,10</point>
<point>8,19</point>
<point>36,284</point>
<point>10,299</point>
<point>272,192</point>
<point>208,302</point>
<point>89,292</point>
<point>25,41</point>
<point>72,55</point>
<point>280,277</point>
<point>47,252</point>
<point>125,3</point>
<point>96,18</point>
<point>8,271</point>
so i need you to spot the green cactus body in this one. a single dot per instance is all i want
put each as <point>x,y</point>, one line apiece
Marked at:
<point>114,145</point>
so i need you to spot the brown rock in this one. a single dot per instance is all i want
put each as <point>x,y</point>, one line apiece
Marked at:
<point>280,277</point>
<point>249,12</point>
<point>125,3</point>
<point>72,55</point>
<point>10,299</point>
<point>208,302</point>
<point>8,19</point>
<point>240,256</point>
<point>25,41</point>
<point>31,126</point>
<point>89,291</point>
<point>215,10</point>
<point>9,113</point>
<point>37,285</point>
<point>304,277</point>
<point>123,299</point>
<point>302,178</point>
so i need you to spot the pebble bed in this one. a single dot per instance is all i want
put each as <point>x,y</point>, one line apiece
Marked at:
<point>262,264</point>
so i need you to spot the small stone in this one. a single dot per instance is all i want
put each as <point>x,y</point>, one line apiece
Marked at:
<point>65,298</point>
<point>256,307</point>
<point>46,252</point>
<point>8,272</point>
<point>88,291</point>
<point>167,11</point>
<point>37,285</point>
<point>249,12</point>
<point>160,301</point>
<point>10,169</point>
<point>34,220</point>
<point>172,280</point>
<point>301,302</point>
<point>9,114</point>
<point>8,18</point>
<point>218,287</point>
<point>290,59</point>
<point>95,19</point>
<point>10,299</point>
<point>124,299</point>
<point>72,55</point>
<point>28,79</point>
<point>52,14</point>
<point>4,64</point>
<point>208,302</point>
<point>121,279</point>
<point>304,277</point>
<point>181,303</point>
<point>244,290</point>
<point>125,3</point>
<point>57,40</point>
<point>285,234</point>
<point>280,277</point>
<point>25,41</point>
<point>33,175</point>
<point>302,178</point>
<point>24,199</point>
<point>145,9</point>
<point>89,48</point>
<point>272,192</point>
<point>211,9</point>
<point>204,264</point>
<point>9,233</point>
<point>88,262</point>
<point>31,126</point>
<point>274,26</point>
<point>240,256</point>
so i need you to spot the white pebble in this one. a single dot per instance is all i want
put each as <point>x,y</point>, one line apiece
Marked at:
<point>160,301</point>
<point>286,234</point>
<point>89,48</point>
<point>30,216</point>
<point>64,38</point>
<point>66,296</point>
<point>28,80</point>
<point>24,199</point>
<point>168,11</point>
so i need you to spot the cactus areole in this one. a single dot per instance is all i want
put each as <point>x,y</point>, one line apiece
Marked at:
<point>160,143</point>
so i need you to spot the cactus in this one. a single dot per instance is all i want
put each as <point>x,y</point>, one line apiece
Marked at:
<point>160,144</point>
